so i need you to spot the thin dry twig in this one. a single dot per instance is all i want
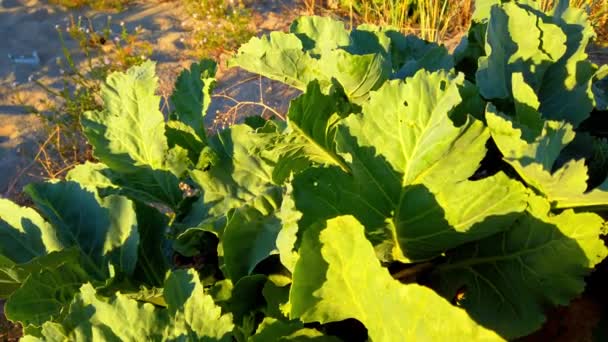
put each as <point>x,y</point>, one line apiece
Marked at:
<point>234,85</point>
<point>22,171</point>
<point>52,168</point>
<point>251,103</point>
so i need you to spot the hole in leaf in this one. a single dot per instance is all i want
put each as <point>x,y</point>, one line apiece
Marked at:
<point>492,163</point>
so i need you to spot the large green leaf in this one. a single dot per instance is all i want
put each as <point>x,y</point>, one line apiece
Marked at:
<point>282,56</point>
<point>13,275</point>
<point>241,174</point>
<point>191,315</point>
<point>248,239</point>
<point>152,263</point>
<point>129,137</point>
<point>320,34</point>
<point>144,185</point>
<point>287,237</point>
<point>314,117</point>
<point>86,238</point>
<point>482,9</point>
<point>43,294</point>
<point>130,131</point>
<point>566,91</point>
<point>94,175</point>
<point>195,315</point>
<point>278,56</point>
<point>24,234</point>
<point>338,277</point>
<point>149,185</point>
<point>181,134</point>
<point>104,230</point>
<point>358,74</point>
<point>517,41</point>
<point>192,95</point>
<point>409,173</point>
<point>189,230</point>
<point>277,300</point>
<point>320,49</point>
<point>414,116</point>
<point>533,155</point>
<point>509,279</point>
<point>548,49</point>
<point>82,229</point>
<point>410,54</point>
<point>471,48</point>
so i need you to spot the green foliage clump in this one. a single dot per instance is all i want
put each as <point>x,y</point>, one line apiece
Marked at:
<point>411,194</point>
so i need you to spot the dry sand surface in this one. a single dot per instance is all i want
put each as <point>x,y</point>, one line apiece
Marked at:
<point>30,25</point>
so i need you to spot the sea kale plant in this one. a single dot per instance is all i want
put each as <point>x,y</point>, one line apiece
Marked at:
<point>411,194</point>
